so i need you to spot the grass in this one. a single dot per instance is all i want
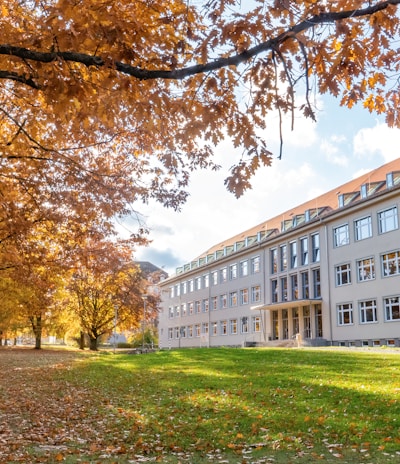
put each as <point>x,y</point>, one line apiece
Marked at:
<point>224,406</point>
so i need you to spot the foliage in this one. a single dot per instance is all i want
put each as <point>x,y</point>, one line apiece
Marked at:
<point>209,405</point>
<point>149,337</point>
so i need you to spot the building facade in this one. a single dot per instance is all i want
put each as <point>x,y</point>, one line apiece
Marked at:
<point>324,272</point>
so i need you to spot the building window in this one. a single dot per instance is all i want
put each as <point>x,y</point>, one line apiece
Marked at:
<point>388,220</point>
<point>197,307</point>
<point>363,228</point>
<point>316,274</point>
<point>204,328</point>
<point>223,301</point>
<point>214,303</point>
<point>341,235</point>
<point>255,294</point>
<point>392,308</point>
<point>294,285</point>
<point>170,333</point>
<point>223,327</point>
<point>318,321</point>
<point>295,321</point>
<point>391,263</point>
<point>256,323</point>
<point>304,251</point>
<point>365,269</point>
<point>191,307</point>
<point>206,305</point>
<point>171,312</point>
<point>283,258</point>
<point>345,314</point>
<point>197,330</point>
<point>244,268</point>
<point>233,326</point>
<point>284,290</point>
<point>293,255</point>
<point>285,324</point>
<point>305,286</point>
<point>367,311</point>
<point>244,325</point>
<point>315,248</point>
<point>343,274</point>
<point>214,277</point>
<point>206,279</point>
<point>223,275</point>
<point>307,321</point>
<point>177,311</point>
<point>274,261</point>
<point>233,299</point>
<point>244,296</point>
<point>183,309</point>
<point>191,285</point>
<point>190,331</point>
<point>274,291</point>
<point>198,283</point>
<point>255,265</point>
<point>183,332</point>
<point>275,325</point>
<point>178,289</point>
<point>233,271</point>
<point>184,288</point>
<point>214,328</point>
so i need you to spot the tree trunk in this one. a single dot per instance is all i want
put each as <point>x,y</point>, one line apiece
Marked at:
<point>82,341</point>
<point>36,322</point>
<point>93,343</point>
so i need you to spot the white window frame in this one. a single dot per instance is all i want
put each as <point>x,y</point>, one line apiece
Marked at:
<point>363,228</point>
<point>388,220</point>
<point>343,310</point>
<point>390,263</point>
<point>368,311</point>
<point>256,294</point>
<point>390,303</point>
<point>365,269</point>
<point>256,264</point>
<point>343,274</point>
<point>341,236</point>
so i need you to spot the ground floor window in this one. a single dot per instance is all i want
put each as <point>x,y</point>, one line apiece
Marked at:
<point>275,325</point>
<point>256,322</point>
<point>392,308</point>
<point>345,313</point>
<point>233,326</point>
<point>368,311</point>
<point>223,327</point>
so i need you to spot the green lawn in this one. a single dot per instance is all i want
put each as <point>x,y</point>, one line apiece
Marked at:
<point>226,406</point>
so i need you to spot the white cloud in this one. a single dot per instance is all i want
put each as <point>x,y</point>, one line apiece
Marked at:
<point>379,139</point>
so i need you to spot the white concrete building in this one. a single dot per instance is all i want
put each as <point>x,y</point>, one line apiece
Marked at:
<point>324,272</point>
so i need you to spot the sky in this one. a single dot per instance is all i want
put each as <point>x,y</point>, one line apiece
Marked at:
<point>317,157</point>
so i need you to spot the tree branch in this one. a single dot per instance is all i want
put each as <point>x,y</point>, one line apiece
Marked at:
<point>182,73</point>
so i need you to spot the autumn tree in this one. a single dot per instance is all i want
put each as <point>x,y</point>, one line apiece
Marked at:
<point>108,290</point>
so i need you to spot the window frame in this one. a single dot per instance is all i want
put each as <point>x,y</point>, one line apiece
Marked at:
<point>341,235</point>
<point>342,309</point>
<point>360,227</point>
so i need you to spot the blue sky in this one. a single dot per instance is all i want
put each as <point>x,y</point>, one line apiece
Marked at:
<point>317,157</point>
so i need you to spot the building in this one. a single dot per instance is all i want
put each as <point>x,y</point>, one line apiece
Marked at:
<point>324,272</point>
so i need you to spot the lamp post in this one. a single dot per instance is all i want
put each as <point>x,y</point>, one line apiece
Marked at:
<point>144,297</point>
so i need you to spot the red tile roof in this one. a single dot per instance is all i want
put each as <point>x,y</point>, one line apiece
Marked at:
<point>327,200</point>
